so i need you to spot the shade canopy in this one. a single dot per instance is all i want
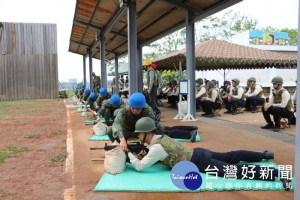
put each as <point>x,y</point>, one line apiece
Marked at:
<point>155,18</point>
<point>217,54</point>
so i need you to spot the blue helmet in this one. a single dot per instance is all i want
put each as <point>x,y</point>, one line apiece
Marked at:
<point>81,86</point>
<point>137,100</point>
<point>93,96</point>
<point>115,100</point>
<point>87,91</point>
<point>77,88</point>
<point>103,91</point>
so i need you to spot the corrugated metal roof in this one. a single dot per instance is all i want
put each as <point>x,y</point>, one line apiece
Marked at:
<point>155,19</point>
<point>217,54</point>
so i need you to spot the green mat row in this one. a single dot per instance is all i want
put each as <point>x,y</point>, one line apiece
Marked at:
<point>157,179</point>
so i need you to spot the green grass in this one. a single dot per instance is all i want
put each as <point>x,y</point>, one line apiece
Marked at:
<point>19,103</point>
<point>22,112</point>
<point>60,157</point>
<point>70,93</point>
<point>52,119</point>
<point>32,136</point>
<point>11,151</point>
<point>56,132</point>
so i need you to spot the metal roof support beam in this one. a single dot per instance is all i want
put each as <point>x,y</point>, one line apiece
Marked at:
<point>297,139</point>
<point>103,63</point>
<point>116,85</point>
<point>215,8</point>
<point>132,47</point>
<point>84,71</point>
<point>87,24</point>
<point>115,19</point>
<point>91,69</point>
<point>140,68</point>
<point>182,5</point>
<point>190,61</point>
<point>98,28</point>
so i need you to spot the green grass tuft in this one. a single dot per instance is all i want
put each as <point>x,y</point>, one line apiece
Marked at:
<point>60,157</point>
<point>56,132</point>
<point>32,136</point>
<point>11,151</point>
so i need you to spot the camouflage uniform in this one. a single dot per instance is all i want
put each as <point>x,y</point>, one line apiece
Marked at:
<point>176,151</point>
<point>96,83</point>
<point>91,103</point>
<point>124,124</point>
<point>100,99</point>
<point>85,97</point>
<point>80,94</point>
<point>107,110</point>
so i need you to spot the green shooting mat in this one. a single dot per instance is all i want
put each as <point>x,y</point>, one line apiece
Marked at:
<point>157,178</point>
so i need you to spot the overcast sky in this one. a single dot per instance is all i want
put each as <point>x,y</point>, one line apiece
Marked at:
<point>276,13</point>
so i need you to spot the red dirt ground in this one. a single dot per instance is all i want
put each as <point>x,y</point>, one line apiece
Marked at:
<point>33,175</point>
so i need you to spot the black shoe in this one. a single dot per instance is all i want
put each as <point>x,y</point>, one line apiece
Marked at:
<point>248,109</point>
<point>292,122</point>
<point>267,126</point>
<point>287,184</point>
<point>193,135</point>
<point>276,129</point>
<point>195,127</point>
<point>228,112</point>
<point>234,113</point>
<point>209,115</point>
<point>203,114</point>
<point>268,154</point>
<point>254,111</point>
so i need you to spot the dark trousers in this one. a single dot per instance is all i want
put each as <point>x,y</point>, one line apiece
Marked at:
<point>198,103</point>
<point>232,106</point>
<point>277,114</point>
<point>173,100</point>
<point>180,132</point>
<point>153,99</point>
<point>253,101</point>
<point>207,106</point>
<point>206,159</point>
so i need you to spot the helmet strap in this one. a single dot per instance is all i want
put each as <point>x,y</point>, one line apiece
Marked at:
<point>144,139</point>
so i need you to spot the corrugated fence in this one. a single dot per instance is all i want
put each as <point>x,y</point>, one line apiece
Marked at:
<point>28,61</point>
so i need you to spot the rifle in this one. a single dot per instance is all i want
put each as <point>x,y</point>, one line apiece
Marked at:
<point>134,147</point>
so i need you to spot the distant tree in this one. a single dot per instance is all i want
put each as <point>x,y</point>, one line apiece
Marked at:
<point>224,27</point>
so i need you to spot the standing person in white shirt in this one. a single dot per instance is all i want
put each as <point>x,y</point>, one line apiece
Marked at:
<point>254,95</point>
<point>212,101</point>
<point>279,105</point>
<point>235,98</point>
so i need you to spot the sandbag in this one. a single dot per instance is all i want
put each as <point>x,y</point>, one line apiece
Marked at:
<point>100,129</point>
<point>115,160</point>
<point>184,106</point>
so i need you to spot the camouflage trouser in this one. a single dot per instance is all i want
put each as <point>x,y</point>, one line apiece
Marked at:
<point>127,134</point>
<point>107,114</point>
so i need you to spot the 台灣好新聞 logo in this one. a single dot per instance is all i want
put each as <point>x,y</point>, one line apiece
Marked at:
<point>185,175</point>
